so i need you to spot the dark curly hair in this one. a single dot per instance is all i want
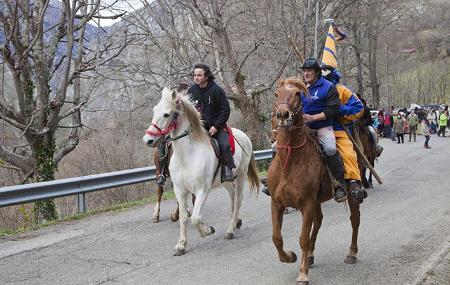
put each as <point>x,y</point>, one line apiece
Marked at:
<point>206,69</point>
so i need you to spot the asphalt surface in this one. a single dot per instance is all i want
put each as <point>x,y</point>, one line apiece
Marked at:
<point>404,237</point>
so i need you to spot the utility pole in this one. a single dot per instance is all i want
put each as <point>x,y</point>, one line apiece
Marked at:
<point>316,27</point>
<point>388,95</point>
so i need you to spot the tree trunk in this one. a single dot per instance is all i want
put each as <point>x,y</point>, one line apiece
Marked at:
<point>374,84</point>
<point>359,62</point>
<point>44,150</point>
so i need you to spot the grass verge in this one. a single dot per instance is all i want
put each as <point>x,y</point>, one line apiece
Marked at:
<point>168,195</point>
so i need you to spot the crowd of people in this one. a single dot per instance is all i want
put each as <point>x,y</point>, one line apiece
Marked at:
<point>394,124</point>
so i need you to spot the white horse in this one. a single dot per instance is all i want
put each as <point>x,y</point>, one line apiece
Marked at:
<point>194,163</point>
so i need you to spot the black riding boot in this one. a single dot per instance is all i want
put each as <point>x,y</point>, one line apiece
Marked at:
<point>337,168</point>
<point>161,179</point>
<point>227,166</point>
<point>226,156</point>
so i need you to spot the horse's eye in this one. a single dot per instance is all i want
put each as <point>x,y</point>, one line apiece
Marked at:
<point>166,115</point>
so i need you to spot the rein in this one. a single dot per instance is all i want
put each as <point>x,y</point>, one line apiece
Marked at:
<point>289,148</point>
<point>185,133</point>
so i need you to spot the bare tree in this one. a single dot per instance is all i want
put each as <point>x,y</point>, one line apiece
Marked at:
<point>47,56</point>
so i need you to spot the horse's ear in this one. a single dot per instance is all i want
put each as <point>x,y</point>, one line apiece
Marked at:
<point>280,82</point>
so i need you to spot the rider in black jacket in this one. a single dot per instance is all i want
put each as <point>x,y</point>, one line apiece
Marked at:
<point>211,100</point>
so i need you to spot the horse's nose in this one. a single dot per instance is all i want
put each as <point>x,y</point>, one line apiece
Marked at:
<point>282,114</point>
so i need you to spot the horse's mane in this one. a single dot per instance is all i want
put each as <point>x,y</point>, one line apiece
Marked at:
<point>194,117</point>
<point>295,81</point>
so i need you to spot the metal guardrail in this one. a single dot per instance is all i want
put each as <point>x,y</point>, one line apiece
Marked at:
<point>20,194</point>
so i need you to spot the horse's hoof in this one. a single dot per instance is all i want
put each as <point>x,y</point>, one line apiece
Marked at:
<point>229,236</point>
<point>179,252</point>
<point>212,230</point>
<point>350,259</point>
<point>239,224</point>
<point>302,282</point>
<point>189,213</point>
<point>173,218</point>
<point>155,219</point>
<point>310,260</point>
<point>294,257</point>
<point>291,257</point>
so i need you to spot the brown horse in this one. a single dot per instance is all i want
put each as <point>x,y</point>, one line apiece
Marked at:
<point>365,141</point>
<point>160,189</point>
<point>298,178</point>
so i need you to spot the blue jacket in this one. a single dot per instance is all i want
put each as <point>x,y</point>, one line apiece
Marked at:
<point>323,97</point>
<point>351,107</point>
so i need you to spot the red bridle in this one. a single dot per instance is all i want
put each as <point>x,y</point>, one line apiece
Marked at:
<point>162,132</point>
<point>288,146</point>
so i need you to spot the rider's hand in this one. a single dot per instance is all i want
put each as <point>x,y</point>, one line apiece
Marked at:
<point>212,131</point>
<point>308,118</point>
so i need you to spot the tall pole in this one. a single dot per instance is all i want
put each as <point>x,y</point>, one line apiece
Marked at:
<point>388,95</point>
<point>316,28</point>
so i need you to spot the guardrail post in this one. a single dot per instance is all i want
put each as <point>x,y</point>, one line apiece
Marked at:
<point>81,202</point>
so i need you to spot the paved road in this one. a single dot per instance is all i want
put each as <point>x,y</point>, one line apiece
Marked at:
<point>404,237</point>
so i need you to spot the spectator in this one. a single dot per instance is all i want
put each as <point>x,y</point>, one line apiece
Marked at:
<point>426,132</point>
<point>442,123</point>
<point>399,128</point>
<point>387,124</point>
<point>413,121</point>
<point>393,134</point>
<point>431,118</point>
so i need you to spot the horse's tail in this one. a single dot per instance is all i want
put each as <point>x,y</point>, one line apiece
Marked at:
<point>252,175</point>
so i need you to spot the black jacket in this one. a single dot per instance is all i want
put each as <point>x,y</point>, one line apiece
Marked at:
<point>212,102</point>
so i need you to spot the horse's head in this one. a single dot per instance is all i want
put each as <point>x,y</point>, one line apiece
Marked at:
<point>165,116</point>
<point>287,109</point>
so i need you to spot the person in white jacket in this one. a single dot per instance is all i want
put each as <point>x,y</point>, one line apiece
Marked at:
<point>431,117</point>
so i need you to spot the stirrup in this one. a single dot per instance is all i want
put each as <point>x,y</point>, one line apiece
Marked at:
<point>378,149</point>
<point>160,180</point>
<point>340,195</point>
<point>358,193</point>
<point>228,175</point>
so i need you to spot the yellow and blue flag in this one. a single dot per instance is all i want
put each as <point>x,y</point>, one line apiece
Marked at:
<point>329,56</point>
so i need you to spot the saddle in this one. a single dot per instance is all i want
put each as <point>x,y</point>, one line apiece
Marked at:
<point>231,141</point>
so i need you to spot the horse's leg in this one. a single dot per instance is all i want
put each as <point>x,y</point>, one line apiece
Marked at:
<point>159,193</point>
<point>181,195</point>
<point>355,220</point>
<point>193,203</point>
<point>175,215</point>
<point>200,200</point>
<point>236,193</point>
<point>316,226</point>
<point>277,238</point>
<point>305,241</point>
<point>370,174</point>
